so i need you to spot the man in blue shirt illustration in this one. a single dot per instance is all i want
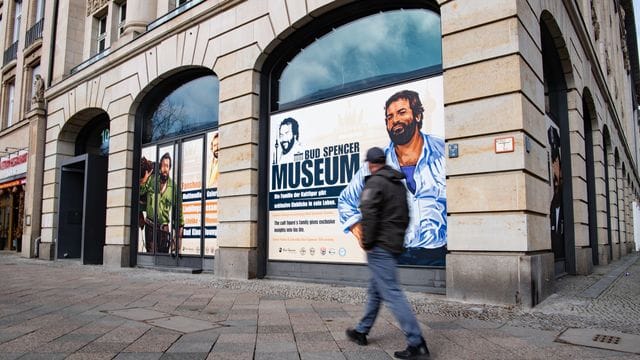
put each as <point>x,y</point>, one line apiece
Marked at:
<point>420,157</point>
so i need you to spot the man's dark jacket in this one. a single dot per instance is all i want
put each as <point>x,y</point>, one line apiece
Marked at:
<point>385,213</point>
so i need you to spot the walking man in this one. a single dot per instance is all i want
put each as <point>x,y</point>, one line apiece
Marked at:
<point>385,216</point>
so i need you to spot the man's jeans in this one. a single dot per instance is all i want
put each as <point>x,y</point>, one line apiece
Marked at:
<point>383,286</point>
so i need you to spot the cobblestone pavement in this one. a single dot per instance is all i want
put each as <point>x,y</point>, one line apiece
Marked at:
<point>56,310</point>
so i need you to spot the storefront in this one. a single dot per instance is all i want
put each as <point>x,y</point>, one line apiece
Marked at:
<point>177,179</point>
<point>237,133</point>
<point>373,67</point>
<point>13,168</point>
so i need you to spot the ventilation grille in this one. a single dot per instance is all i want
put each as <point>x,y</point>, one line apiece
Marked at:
<point>606,339</point>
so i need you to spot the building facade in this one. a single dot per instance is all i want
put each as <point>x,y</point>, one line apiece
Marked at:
<point>22,120</point>
<point>229,136</point>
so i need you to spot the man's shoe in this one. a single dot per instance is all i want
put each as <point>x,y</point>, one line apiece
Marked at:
<point>420,352</point>
<point>357,337</point>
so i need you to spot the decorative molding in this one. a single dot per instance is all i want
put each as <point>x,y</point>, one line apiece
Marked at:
<point>594,21</point>
<point>623,40</point>
<point>95,5</point>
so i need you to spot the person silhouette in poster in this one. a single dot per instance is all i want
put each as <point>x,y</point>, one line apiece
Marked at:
<point>420,157</point>
<point>556,215</point>
<point>214,172</point>
<point>288,147</point>
<point>163,191</point>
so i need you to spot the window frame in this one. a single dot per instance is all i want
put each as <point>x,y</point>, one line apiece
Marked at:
<point>101,33</point>
<point>122,17</point>
<point>10,97</point>
<point>39,11</point>
<point>17,20</point>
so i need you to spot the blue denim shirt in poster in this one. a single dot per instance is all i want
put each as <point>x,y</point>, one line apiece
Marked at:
<point>427,207</point>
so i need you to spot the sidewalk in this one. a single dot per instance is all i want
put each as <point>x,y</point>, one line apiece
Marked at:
<point>57,310</point>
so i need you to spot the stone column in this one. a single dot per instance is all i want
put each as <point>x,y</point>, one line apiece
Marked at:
<point>498,228</point>
<point>621,214</point>
<point>237,256</point>
<point>629,216</point>
<point>583,257</point>
<point>613,205</point>
<point>139,15</point>
<point>601,197</point>
<point>117,246</point>
<point>35,169</point>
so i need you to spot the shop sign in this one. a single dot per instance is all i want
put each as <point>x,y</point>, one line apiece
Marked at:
<point>317,170</point>
<point>13,183</point>
<point>13,164</point>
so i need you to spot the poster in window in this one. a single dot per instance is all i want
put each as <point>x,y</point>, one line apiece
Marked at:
<point>211,202</point>
<point>191,196</point>
<point>556,211</point>
<point>160,203</point>
<point>147,167</point>
<point>317,172</point>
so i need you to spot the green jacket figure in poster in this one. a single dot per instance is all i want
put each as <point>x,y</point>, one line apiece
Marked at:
<point>166,193</point>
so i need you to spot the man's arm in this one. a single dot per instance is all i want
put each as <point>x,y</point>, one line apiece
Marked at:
<point>348,203</point>
<point>146,183</point>
<point>370,207</point>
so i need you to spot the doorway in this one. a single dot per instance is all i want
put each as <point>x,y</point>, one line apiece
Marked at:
<point>82,208</point>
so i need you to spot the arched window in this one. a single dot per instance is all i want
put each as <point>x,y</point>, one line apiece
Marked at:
<point>332,87</point>
<point>182,109</point>
<point>379,48</point>
<point>178,170</point>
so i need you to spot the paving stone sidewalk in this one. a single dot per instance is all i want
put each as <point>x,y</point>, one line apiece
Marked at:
<point>63,310</point>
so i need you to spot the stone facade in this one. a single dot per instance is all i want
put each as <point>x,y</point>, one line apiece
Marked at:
<point>498,203</point>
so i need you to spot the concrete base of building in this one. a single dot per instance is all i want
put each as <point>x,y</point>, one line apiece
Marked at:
<point>115,255</point>
<point>632,247</point>
<point>603,254</point>
<point>584,261</point>
<point>47,251</point>
<point>236,263</point>
<point>505,278</point>
<point>616,251</point>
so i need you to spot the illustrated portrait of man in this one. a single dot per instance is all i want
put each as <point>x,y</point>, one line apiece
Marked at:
<point>214,172</point>
<point>288,147</point>
<point>556,216</point>
<point>160,189</point>
<point>420,157</point>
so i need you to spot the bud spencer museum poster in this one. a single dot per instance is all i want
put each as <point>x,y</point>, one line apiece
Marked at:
<point>317,172</point>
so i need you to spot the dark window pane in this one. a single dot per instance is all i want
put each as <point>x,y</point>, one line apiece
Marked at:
<point>191,107</point>
<point>379,48</point>
<point>94,137</point>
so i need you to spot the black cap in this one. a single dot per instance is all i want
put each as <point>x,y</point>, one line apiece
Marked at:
<point>375,155</point>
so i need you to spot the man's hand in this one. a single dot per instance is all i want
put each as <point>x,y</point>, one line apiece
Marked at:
<point>356,230</point>
<point>145,177</point>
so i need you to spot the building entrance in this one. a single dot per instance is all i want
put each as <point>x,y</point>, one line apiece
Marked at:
<point>82,208</point>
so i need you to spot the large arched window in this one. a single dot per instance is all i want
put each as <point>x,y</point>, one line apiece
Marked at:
<point>379,48</point>
<point>332,87</point>
<point>182,109</point>
<point>178,171</point>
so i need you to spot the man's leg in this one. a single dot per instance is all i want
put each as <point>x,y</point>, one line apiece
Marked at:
<point>148,238</point>
<point>163,241</point>
<point>383,268</point>
<point>372,308</point>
